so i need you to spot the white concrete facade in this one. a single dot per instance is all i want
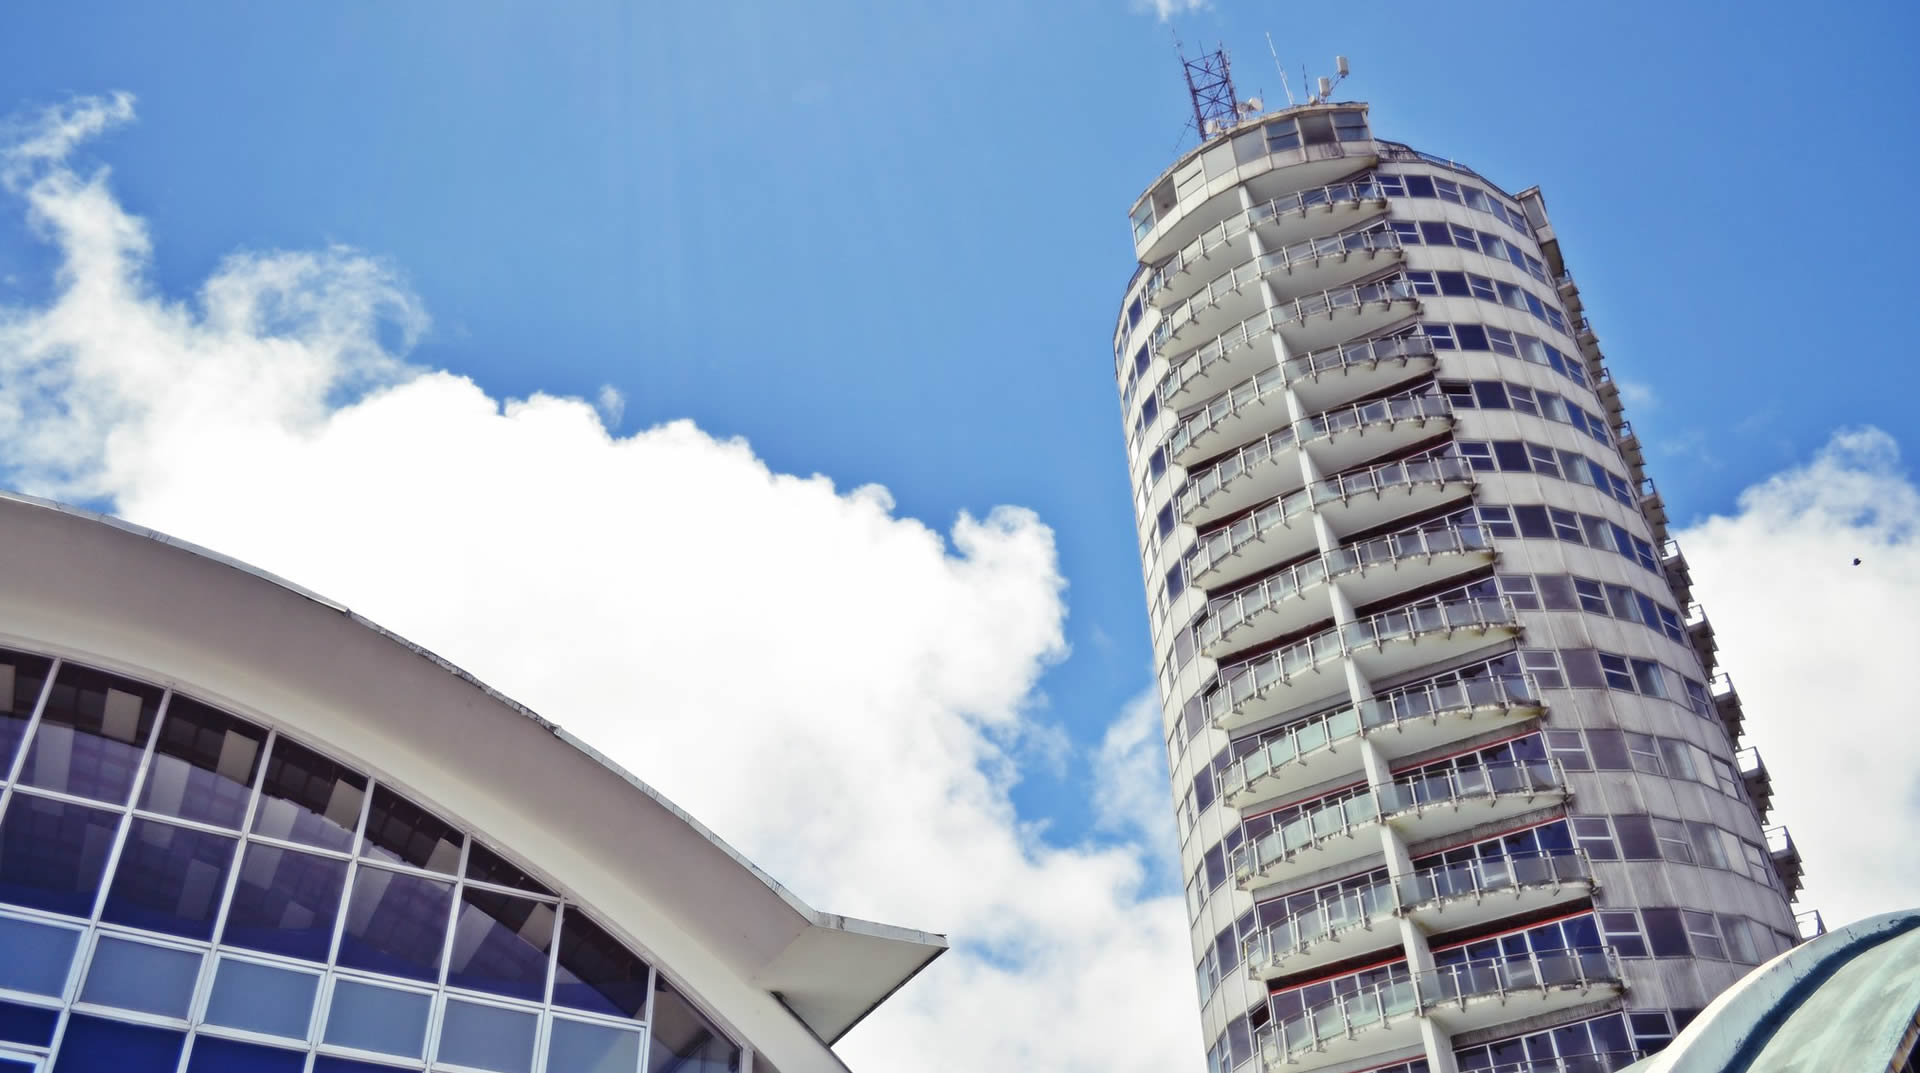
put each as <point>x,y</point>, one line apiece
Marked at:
<point>1413,606</point>
<point>777,978</point>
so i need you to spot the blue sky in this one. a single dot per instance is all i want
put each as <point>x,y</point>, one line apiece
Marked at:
<point>883,242</point>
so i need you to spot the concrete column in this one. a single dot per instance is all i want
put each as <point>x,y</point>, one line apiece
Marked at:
<point>1439,1047</point>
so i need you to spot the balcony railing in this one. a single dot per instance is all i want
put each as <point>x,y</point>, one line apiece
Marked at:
<point>1364,352</point>
<point>1205,482</point>
<point>1422,993</point>
<point>1350,909</point>
<point>1595,1062</point>
<point>1344,817</point>
<point>1221,543</point>
<point>1237,225</point>
<point>1240,681</point>
<point>1283,259</point>
<point>1266,384</point>
<point>1392,289</point>
<point>1225,613</point>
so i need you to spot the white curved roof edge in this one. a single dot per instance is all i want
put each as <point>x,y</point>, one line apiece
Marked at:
<point>1802,1004</point>
<point>828,974</point>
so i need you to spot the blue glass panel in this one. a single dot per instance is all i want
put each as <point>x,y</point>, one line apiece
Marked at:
<point>596,972</point>
<point>575,1047</point>
<point>203,764</point>
<point>169,879</point>
<point>35,957</point>
<point>262,998</point>
<point>487,1037</point>
<point>381,1019</point>
<point>135,976</point>
<point>52,853</point>
<point>32,1025</point>
<point>325,1064</point>
<point>212,1055</point>
<point>500,945</point>
<point>21,677</point>
<point>489,867</point>
<point>309,798</point>
<point>91,735</point>
<point>97,1045</point>
<point>9,1065</point>
<point>285,902</point>
<point>682,1040</point>
<point>396,923</point>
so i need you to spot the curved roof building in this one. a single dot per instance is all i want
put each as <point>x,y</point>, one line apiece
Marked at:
<point>1457,785</point>
<point>242,828</point>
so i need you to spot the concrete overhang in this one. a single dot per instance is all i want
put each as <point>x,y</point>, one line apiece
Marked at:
<point>781,975</point>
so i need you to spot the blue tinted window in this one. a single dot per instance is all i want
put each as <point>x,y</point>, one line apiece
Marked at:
<point>596,972</point>
<point>395,923</point>
<point>52,854</point>
<point>500,945</point>
<point>324,1064</point>
<point>32,1025</point>
<point>380,1019</point>
<point>135,976</point>
<point>309,798</point>
<point>169,879</point>
<point>91,735</point>
<point>34,957</point>
<point>681,1039</point>
<point>97,1045</point>
<point>212,1055</point>
<point>21,677</point>
<point>262,998</point>
<point>285,902</point>
<point>9,1065</point>
<point>583,1048</point>
<point>489,867</point>
<point>203,764</point>
<point>487,1037</point>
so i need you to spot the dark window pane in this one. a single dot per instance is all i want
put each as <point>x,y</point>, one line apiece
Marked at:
<point>399,830</point>
<point>203,764</point>
<point>309,798</point>
<point>1583,668</point>
<point>98,1045</point>
<point>1472,336</point>
<point>285,902</point>
<point>1636,838</point>
<point>21,677</point>
<point>1556,591</point>
<point>1666,934</point>
<point>1512,456</point>
<point>379,1019</point>
<point>489,867</point>
<point>169,879</point>
<point>596,972</point>
<point>500,944</point>
<point>683,1041</point>
<point>212,1055</point>
<point>325,1064</point>
<point>395,923</point>
<point>91,734</point>
<point>52,854</point>
<point>1609,749</point>
<point>32,1025</point>
<point>1419,186</point>
<point>1492,394</point>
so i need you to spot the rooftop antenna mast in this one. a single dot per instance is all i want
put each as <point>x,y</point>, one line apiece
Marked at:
<point>1210,84</point>
<point>1288,90</point>
<point>1340,70</point>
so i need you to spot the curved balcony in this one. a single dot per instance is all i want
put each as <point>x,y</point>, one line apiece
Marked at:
<point>1370,570</point>
<point>1384,644</point>
<point>1263,469</point>
<point>1403,722</point>
<point>1461,998</point>
<point>1311,168</point>
<point>1343,438</point>
<point>1595,1062</point>
<point>1317,320</point>
<point>1419,807</point>
<point>1453,896</point>
<point>1364,499</point>
<point>1311,264</point>
<point>1329,376</point>
<point>1323,378</point>
<point>1279,222</point>
<point>1355,922</point>
<point>1370,498</point>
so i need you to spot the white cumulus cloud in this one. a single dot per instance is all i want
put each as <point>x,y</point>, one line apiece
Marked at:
<point>842,692</point>
<point>1820,650</point>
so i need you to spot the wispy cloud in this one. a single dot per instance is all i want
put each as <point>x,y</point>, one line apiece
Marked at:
<point>841,691</point>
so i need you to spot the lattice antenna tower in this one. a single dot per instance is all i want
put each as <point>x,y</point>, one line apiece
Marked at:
<point>1210,84</point>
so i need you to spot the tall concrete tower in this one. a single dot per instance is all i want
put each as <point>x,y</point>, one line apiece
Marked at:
<point>1457,785</point>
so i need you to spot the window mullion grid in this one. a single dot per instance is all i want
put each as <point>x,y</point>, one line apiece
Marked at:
<point>26,736</point>
<point>437,1010</point>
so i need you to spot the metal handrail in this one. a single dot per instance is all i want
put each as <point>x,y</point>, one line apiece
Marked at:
<point>1367,239</point>
<point>1239,223</point>
<point>1591,1062</point>
<point>1432,468</point>
<point>1392,289</point>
